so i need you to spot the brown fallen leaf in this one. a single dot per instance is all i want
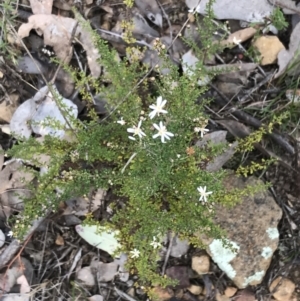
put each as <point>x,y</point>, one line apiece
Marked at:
<point>105,271</point>
<point>151,10</point>
<point>237,129</point>
<point>12,177</point>
<point>217,137</point>
<point>12,201</point>
<point>229,89</point>
<point>58,32</point>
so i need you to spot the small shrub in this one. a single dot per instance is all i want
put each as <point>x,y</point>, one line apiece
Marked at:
<point>143,150</point>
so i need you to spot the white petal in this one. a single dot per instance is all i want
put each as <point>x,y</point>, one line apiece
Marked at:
<point>130,130</point>
<point>139,124</point>
<point>141,134</point>
<point>153,107</point>
<point>169,134</point>
<point>163,103</point>
<point>155,136</point>
<point>152,114</point>
<point>201,189</point>
<point>156,126</point>
<point>159,100</point>
<point>130,137</point>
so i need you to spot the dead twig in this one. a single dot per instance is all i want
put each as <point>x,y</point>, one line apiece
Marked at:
<point>124,295</point>
<point>260,84</point>
<point>250,120</point>
<point>172,237</point>
<point>167,17</point>
<point>81,69</point>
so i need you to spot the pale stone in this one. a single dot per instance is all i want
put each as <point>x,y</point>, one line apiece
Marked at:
<point>86,277</point>
<point>220,297</point>
<point>200,264</point>
<point>2,238</point>
<point>8,107</point>
<point>178,294</point>
<point>131,292</point>
<point>162,294</point>
<point>179,247</point>
<point>283,287</point>
<point>59,240</point>
<point>269,47</point>
<point>195,289</point>
<point>230,291</point>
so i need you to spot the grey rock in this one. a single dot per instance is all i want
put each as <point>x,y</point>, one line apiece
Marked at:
<point>179,247</point>
<point>251,228</point>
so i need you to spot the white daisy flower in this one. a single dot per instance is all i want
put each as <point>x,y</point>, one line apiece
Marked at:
<point>155,244</point>
<point>158,108</point>
<point>135,253</point>
<point>162,132</point>
<point>121,121</point>
<point>136,130</point>
<point>203,193</point>
<point>202,130</point>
